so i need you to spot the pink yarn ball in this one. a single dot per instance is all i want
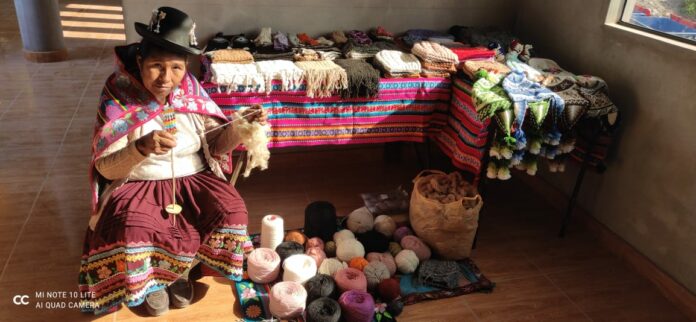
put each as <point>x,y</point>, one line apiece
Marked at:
<point>263,265</point>
<point>287,299</point>
<point>417,246</point>
<point>317,254</point>
<point>385,258</point>
<point>402,232</point>
<point>315,242</point>
<point>357,306</point>
<point>350,279</point>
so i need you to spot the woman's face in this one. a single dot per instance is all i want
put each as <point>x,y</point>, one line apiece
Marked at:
<point>161,73</point>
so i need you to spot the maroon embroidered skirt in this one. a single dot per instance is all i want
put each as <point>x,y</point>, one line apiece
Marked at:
<point>137,248</point>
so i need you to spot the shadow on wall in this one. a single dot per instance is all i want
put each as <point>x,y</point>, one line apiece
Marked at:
<point>89,21</point>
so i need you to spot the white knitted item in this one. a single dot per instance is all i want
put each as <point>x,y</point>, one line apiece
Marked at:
<point>395,61</point>
<point>434,52</point>
<point>254,136</point>
<point>287,72</point>
<point>233,75</point>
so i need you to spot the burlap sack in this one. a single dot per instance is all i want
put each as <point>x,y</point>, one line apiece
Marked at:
<point>448,228</point>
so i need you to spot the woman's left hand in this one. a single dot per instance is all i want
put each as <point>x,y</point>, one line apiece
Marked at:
<point>253,116</point>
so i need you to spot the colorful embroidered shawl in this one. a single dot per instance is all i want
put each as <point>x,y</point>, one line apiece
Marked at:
<point>125,105</point>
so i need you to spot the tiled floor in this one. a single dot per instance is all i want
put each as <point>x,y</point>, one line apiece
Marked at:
<point>46,115</point>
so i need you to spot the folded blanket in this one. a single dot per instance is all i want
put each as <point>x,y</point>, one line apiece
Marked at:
<point>401,75</point>
<point>236,77</point>
<point>471,67</point>
<point>430,51</point>
<point>287,72</point>
<point>395,62</point>
<point>239,56</point>
<point>323,77</point>
<point>434,73</point>
<point>359,37</point>
<point>355,50</point>
<point>363,79</point>
<point>274,55</point>
<point>439,67</point>
<point>471,53</point>
<point>413,36</point>
<point>305,54</point>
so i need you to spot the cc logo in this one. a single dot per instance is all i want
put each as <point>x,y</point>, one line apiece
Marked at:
<point>20,300</point>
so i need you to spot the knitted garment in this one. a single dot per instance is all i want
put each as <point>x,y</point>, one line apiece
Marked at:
<point>363,79</point>
<point>439,67</point>
<point>339,37</point>
<point>552,73</point>
<point>515,64</point>
<point>287,72</point>
<point>356,51</point>
<point>471,67</point>
<point>575,104</point>
<point>395,62</point>
<point>413,36</point>
<point>307,40</point>
<point>595,89</point>
<point>430,51</point>
<point>323,77</point>
<point>439,273</point>
<point>264,37</point>
<point>359,37</point>
<point>280,41</point>
<point>489,97</point>
<point>239,56</point>
<point>434,73</point>
<point>237,76</point>
<point>294,41</point>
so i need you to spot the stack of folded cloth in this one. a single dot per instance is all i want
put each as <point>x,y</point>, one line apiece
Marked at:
<point>327,52</point>
<point>397,64</point>
<point>380,33</point>
<point>413,36</point>
<point>355,50</point>
<point>465,52</point>
<point>286,71</point>
<point>323,77</point>
<point>305,54</point>
<point>437,60</point>
<point>471,67</point>
<point>235,69</point>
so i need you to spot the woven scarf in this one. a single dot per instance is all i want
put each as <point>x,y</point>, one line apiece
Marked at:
<point>237,77</point>
<point>323,77</point>
<point>363,79</point>
<point>125,105</point>
<point>286,71</point>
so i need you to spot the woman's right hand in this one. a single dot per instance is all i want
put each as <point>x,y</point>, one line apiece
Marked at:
<point>157,142</point>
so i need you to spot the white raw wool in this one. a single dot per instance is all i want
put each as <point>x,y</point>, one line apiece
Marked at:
<point>395,61</point>
<point>254,136</point>
<point>287,72</point>
<point>234,75</point>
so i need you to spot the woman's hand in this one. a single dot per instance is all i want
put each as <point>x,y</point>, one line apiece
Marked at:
<point>157,142</point>
<point>252,114</point>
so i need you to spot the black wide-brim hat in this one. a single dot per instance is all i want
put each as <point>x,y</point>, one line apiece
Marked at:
<point>171,29</point>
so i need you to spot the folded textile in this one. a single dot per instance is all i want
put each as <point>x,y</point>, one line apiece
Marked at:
<point>339,37</point>
<point>402,75</point>
<point>280,41</point>
<point>513,61</point>
<point>359,37</point>
<point>355,50</point>
<point>439,273</point>
<point>264,37</point>
<point>430,51</point>
<point>395,62</point>
<point>380,33</point>
<point>286,71</point>
<point>273,55</point>
<point>489,96</point>
<point>439,67</point>
<point>413,36</point>
<point>435,73</point>
<point>471,67</point>
<point>386,45</point>
<point>552,73</point>
<point>576,105</point>
<point>294,41</point>
<point>323,41</point>
<point>236,76</point>
<point>323,77</point>
<point>306,54</point>
<point>307,40</point>
<point>471,53</point>
<point>239,56</point>
<point>363,79</point>
<point>595,90</point>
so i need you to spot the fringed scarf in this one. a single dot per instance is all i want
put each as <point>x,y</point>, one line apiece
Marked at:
<point>363,79</point>
<point>323,77</point>
<point>125,105</point>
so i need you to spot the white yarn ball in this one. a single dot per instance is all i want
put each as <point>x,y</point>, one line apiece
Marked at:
<point>349,249</point>
<point>360,220</point>
<point>343,234</point>
<point>406,261</point>
<point>299,268</point>
<point>330,266</point>
<point>385,225</point>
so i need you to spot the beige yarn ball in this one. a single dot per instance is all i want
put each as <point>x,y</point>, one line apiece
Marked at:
<point>349,249</point>
<point>385,225</point>
<point>385,258</point>
<point>360,220</point>
<point>341,235</point>
<point>330,266</point>
<point>375,272</point>
<point>407,261</point>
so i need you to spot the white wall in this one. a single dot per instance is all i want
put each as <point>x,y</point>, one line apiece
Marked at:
<point>316,17</point>
<point>648,194</point>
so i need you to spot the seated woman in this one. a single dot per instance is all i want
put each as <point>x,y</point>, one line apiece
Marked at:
<point>151,127</point>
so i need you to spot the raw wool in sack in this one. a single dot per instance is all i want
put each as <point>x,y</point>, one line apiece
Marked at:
<point>448,228</point>
<point>323,77</point>
<point>255,139</point>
